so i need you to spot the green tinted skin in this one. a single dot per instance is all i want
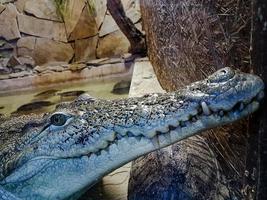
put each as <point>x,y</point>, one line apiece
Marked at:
<point>61,154</point>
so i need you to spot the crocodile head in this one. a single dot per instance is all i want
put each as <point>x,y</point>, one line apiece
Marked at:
<point>70,149</point>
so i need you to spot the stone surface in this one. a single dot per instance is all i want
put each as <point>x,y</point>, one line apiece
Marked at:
<point>6,1</point>
<point>45,9</point>
<point>2,42</point>
<point>20,74</point>
<point>27,20</point>
<point>3,66</point>
<point>25,46</point>
<point>85,27</point>
<point>2,8</point>
<point>42,28</point>
<point>85,49</point>
<point>100,8</point>
<point>20,5</point>
<point>3,76</point>
<point>128,4</point>
<point>8,23</point>
<point>77,67</point>
<point>109,25</point>
<point>97,61</point>
<point>5,45</point>
<point>13,61</point>
<point>143,77</point>
<point>27,60</point>
<point>26,42</point>
<point>71,14</point>
<point>112,44</point>
<point>20,68</point>
<point>48,51</point>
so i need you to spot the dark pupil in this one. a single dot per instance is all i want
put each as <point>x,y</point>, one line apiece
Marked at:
<point>58,119</point>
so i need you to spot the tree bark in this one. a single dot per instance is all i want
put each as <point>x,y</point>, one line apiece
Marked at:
<point>188,40</point>
<point>256,179</point>
<point>135,37</point>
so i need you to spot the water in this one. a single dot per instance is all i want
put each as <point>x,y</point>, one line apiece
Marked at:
<point>46,98</point>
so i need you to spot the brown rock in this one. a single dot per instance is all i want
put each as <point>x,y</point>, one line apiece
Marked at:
<point>25,46</point>
<point>2,8</point>
<point>3,66</point>
<point>5,45</point>
<point>86,26</point>
<point>3,77</point>
<point>13,61</point>
<point>8,23</point>
<point>100,8</point>
<point>51,51</point>
<point>20,74</point>
<point>39,69</point>
<point>85,49</point>
<point>109,25</point>
<point>97,62</point>
<point>45,9</point>
<point>27,60</point>
<point>20,5</point>
<point>71,14</point>
<point>6,1</point>
<point>26,42</point>
<point>112,44</point>
<point>42,28</point>
<point>77,67</point>
<point>128,4</point>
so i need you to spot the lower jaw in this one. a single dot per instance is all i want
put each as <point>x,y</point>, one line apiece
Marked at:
<point>203,123</point>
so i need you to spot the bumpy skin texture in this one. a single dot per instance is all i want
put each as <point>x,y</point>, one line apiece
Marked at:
<point>61,154</point>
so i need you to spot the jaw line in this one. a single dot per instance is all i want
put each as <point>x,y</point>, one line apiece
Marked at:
<point>23,173</point>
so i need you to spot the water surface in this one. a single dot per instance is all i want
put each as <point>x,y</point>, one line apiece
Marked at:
<point>46,98</point>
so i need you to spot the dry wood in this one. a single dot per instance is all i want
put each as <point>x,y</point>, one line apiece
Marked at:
<point>135,37</point>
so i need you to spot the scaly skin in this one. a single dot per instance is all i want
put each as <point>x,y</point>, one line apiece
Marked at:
<point>61,154</point>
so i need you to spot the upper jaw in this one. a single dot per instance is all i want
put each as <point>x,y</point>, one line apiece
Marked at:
<point>238,96</point>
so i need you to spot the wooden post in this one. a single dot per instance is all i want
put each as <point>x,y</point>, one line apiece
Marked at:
<point>257,151</point>
<point>135,37</point>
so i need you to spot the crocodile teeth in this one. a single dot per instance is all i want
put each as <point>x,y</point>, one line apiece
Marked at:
<point>163,129</point>
<point>205,108</point>
<point>110,137</point>
<point>155,142</point>
<point>151,133</point>
<point>102,144</point>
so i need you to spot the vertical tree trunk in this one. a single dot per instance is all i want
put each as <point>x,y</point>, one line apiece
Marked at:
<point>135,37</point>
<point>257,159</point>
<point>188,40</point>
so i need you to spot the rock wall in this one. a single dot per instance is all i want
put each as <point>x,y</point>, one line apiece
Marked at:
<point>44,31</point>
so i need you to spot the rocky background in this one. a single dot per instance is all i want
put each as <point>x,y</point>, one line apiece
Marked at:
<point>37,33</point>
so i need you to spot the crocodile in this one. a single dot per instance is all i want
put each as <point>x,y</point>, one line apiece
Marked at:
<point>59,155</point>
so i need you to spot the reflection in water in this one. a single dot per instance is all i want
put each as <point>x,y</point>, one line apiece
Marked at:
<point>46,94</point>
<point>45,99</point>
<point>71,93</point>
<point>31,107</point>
<point>121,87</point>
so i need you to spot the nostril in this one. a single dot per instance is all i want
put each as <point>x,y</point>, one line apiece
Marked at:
<point>222,75</point>
<point>224,71</point>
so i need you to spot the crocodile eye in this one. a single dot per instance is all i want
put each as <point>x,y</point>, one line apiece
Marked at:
<point>59,119</point>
